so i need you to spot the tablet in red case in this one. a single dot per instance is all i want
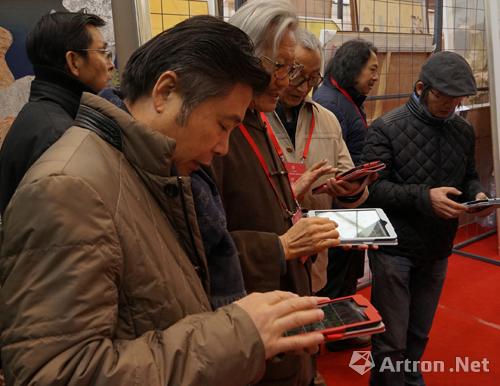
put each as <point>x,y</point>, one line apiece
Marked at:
<point>354,174</point>
<point>345,317</point>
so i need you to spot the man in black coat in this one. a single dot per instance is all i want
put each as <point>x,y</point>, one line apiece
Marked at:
<point>69,56</point>
<point>429,153</point>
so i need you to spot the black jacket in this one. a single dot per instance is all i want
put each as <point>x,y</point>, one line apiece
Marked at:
<point>53,104</point>
<point>353,125</point>
<point>421,152</point>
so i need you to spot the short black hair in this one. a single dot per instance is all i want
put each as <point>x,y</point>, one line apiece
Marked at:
<point>347,63</point>
<point>208,55</point>
<point>57,33</point>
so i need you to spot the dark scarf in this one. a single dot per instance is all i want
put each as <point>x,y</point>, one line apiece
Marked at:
<point>417,106</point>
<point>226,277</point>
<point>356,96</point>
<point>290,125</point>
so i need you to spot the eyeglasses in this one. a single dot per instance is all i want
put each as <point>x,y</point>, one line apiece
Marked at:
<point>443,97</point>
<point>281,70</point>
<point>312,81</point>
<point>108,54</point>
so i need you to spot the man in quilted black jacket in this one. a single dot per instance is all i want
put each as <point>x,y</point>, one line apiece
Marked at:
<point>429,153</point>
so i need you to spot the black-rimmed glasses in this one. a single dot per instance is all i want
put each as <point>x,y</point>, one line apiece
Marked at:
<point>440,96</point>
<point>281,70</point>
<point>312,81</point>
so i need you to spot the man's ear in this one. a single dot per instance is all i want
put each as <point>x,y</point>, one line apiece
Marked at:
<point>74,63</point>
<point>163,88</point>
<point>419,87</point>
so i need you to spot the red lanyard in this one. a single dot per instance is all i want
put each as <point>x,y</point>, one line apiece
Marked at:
<point>264,166</point>
<point>346,94</point>
<point>275,140</point>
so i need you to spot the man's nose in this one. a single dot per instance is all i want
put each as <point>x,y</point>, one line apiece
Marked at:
<point>283,83</point>
<point>222,147</point>
<point>303,87</point>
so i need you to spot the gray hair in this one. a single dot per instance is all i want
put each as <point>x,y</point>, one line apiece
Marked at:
<point>265,21</point>
<point>308,40</point>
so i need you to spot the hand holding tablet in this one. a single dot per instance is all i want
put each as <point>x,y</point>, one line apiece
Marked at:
<point>361,171</point>
<point>352,175</point>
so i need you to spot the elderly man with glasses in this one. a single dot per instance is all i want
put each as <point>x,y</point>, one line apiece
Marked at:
<point>308,136</point>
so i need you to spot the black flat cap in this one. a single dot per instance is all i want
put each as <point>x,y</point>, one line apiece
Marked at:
<point>448,73</point>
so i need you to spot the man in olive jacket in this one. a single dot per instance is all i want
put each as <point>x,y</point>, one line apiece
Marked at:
<point>102,271</point>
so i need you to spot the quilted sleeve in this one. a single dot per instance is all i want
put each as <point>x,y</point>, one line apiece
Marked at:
<point>384,193</point>
<point>60,272</point>
<point>471,185</point>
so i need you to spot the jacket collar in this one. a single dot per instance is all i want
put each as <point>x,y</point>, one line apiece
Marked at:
<point>306,103</point>
<point>355,95</point>
<point>252,120</point>
<point>144,148</point>
<point>55,85</point>
<point>420,111</point>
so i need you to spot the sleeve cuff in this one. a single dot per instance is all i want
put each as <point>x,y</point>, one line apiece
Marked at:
<point>282,259</point>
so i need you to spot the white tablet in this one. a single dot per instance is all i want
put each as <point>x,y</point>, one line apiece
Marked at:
<point>360,226</point>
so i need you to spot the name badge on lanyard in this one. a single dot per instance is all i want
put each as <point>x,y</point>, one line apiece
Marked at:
<point>295,170</point>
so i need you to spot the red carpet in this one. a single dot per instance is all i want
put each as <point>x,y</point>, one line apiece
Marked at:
<point>467,325</point>
<point>487,247</point>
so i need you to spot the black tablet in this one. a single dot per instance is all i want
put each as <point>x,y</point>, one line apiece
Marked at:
<point>345,317</point>
<point>483,203</point>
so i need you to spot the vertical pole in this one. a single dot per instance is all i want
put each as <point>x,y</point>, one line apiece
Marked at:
<point>215,8</point>
<point>354,15</point>
<point>492,13</point>
<point>438,25</point>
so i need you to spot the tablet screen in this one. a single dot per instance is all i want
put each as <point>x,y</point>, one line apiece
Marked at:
<point>357,223</point>
<point>339,313</point>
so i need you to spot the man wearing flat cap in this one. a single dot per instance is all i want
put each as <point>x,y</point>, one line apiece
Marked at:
<point>429,153</point>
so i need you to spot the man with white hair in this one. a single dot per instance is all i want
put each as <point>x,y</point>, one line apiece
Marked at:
<point>309,134</point>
